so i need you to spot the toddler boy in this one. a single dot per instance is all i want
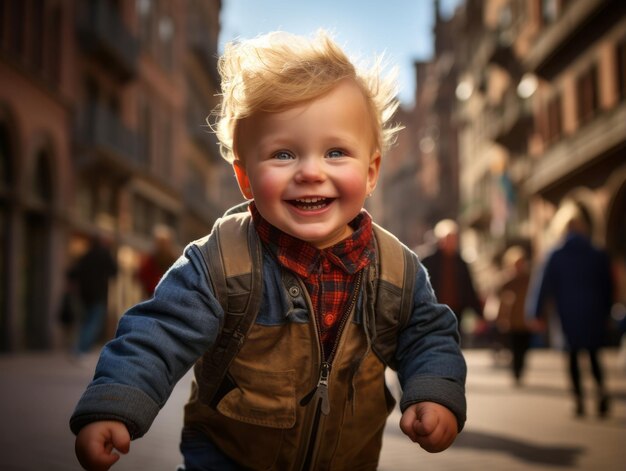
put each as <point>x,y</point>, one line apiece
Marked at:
<point>305,131</point>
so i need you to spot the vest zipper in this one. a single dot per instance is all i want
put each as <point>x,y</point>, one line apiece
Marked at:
<point>320,391</point>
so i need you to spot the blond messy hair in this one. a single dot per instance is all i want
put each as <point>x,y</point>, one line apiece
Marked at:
<point>279,70</point>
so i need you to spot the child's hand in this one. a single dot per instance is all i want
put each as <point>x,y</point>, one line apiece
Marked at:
<point>431,425</point>
<point>95,444</point>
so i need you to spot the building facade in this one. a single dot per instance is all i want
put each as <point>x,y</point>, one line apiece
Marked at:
<point>518,115</point>
<point>541,109</point>
<point>420,175</point>
<point>103,108</point>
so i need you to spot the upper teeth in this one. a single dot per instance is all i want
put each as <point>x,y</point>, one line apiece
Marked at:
<point>309,200</point>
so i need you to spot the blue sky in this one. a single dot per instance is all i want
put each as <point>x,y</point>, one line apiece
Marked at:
<point>402,29</point>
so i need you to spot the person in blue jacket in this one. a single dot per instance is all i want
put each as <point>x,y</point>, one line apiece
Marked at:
<point>577,278</point>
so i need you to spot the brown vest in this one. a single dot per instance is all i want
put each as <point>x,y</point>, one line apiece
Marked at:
<point>260,422</point>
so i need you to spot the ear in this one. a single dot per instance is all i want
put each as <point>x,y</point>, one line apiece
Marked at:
<point>373,171</point>
<point>242,179</point>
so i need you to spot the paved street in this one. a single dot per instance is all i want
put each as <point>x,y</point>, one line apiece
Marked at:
<point>509,428</point>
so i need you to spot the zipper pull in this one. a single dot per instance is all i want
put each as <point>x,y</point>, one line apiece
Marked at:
<point>320,391</point>
<point>322,388</point>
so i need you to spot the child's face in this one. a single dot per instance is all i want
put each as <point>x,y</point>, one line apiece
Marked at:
<point>310,168</point>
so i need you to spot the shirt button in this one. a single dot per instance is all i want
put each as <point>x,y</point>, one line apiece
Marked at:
<point>294,291</point>
<point>329,320</point>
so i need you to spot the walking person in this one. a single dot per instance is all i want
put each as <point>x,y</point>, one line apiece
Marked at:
<point>155,264</point>
<point>91,275</point>
<point>577,278</point>
<point>450,275</point>
<point>511,319</point>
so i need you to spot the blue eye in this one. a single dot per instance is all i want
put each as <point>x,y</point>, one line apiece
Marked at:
<point>283,155</point>
<point>335,153</point>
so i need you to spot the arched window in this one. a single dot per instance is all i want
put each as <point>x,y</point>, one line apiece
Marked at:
<point>6,179</point>
<point>6,171</point>
<point>42,178</point>
<point>35,258</point>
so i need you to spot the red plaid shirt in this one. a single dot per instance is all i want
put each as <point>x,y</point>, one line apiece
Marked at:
<point>330,275</point>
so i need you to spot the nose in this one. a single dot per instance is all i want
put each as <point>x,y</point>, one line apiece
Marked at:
<point>310,169</point>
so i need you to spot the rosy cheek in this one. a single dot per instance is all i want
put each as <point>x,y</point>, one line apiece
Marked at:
<point>267,186</point>
<point>354,187</point>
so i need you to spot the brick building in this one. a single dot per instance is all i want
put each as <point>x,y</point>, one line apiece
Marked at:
<point>102,118</point>
<point>520,112</point>
<point>542,112</point>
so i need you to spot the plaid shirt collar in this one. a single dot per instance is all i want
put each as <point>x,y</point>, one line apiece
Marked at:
<point>350,255</point>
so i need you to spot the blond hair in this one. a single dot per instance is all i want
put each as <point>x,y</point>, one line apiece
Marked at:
<point>279,70</point>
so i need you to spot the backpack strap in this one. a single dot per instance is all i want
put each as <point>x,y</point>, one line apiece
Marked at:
<point>394,290</point>
<point>233,257</point>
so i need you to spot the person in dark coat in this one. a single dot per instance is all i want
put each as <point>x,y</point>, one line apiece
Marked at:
<point>450,275</point>
<point>91,275</point>
<point>577,279</point>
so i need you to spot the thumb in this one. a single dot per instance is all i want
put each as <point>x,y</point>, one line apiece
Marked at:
<point>120,438</point>
<point>426,422</point>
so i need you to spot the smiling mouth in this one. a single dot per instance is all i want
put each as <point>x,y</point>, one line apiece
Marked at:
<point>311,204</point>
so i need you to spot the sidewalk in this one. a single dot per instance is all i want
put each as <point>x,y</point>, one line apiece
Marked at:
<point>512,429</point>
<point>530,428</point>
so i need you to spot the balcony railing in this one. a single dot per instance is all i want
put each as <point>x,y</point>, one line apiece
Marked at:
<point>583,22</point>
<point>595,141</point>
<point>104,34</point>
<point>104,141</point>
<point>510,122</point>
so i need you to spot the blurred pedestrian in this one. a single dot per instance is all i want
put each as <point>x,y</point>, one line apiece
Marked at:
<point>91,275</point>
<point>511,319</point>
<point>450,275</point>
<point>155,264</point>
<point>577,278</point>
<point>70,312</point>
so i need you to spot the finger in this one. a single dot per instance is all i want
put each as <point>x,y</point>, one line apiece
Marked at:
<point>97,458</point>
<point>427,423</point>
<point>406,423</point>
<point>440,439</point>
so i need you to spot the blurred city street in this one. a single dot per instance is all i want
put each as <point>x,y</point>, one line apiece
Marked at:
<point>509,428</point>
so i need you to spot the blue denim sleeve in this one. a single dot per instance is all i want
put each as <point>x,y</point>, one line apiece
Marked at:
<point>431,366</point>
<point>156,343</point>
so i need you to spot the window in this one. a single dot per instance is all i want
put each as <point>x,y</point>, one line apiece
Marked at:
<point>5,182</point>
<point>42,180</point>
<point>53,65</point>
<point>164,162</point>
<point>37,42</point>
<point>5,160</point>
<point>145,133</point>
<point>587,94</point>
<point>17,20</point>
<point>553,125</point>
<point>621,69</point>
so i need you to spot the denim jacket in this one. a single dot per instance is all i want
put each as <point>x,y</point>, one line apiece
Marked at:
<point>158,340</point>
